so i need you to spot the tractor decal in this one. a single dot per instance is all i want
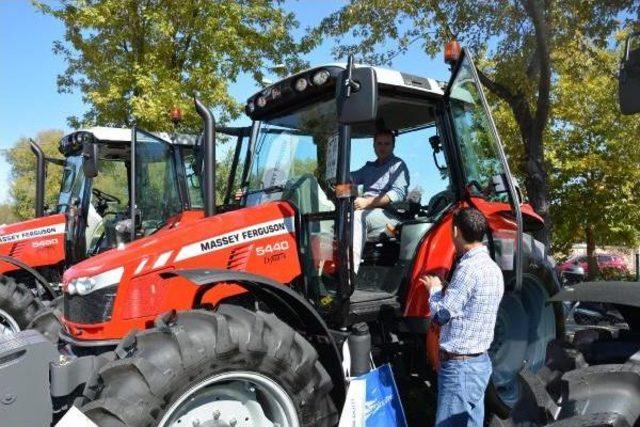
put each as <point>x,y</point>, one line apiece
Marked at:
<point>36,232</point>
<point>236,237</point>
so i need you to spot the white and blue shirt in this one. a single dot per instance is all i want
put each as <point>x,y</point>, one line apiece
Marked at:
<point>467,309</point>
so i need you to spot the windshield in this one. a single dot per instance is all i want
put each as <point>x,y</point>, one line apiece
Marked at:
<point>73,180</point>
<point>290,159</point>
<point>473,131</point>
<point>157,196</point>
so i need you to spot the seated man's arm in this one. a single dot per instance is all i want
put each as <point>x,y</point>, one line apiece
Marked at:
<point>448,305</point>
<point>398,185</point>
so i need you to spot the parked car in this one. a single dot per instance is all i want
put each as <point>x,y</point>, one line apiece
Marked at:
<point>605,261</point>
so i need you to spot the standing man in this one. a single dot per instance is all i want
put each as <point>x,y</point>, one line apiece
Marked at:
<point>466,312</point>
<point>384,180</point>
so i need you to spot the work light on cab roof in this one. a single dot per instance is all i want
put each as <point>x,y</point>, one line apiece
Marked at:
<point>452,52</point>
<point>176,115</point>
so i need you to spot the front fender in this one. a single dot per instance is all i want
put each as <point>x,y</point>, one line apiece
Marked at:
<point>288,305</point>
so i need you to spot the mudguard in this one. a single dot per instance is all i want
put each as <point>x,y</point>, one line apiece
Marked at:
<point>619,293</point>
<point>623,295</point>
<point>288,305</point>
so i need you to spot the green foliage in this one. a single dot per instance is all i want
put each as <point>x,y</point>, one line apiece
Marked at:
<point>594,153</point>
<point>6,214</point>
<point>519,45</point>
<point>22,177</point>
<point>133,60</point>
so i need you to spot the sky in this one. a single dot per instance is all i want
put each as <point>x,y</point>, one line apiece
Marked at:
<point>30,102</point>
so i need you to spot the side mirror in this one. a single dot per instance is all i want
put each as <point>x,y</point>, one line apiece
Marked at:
<point>629,77</point>
<point>357,96</point>
<point>90,162</point>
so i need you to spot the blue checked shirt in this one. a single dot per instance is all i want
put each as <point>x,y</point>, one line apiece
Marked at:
<point>467,309</point>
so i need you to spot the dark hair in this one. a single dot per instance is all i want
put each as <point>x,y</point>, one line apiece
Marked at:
<point>386,132</point>
<point>471,223</point>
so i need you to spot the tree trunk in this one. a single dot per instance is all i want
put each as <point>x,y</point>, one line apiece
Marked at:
<point>536,183</point>
<point>592,262</point>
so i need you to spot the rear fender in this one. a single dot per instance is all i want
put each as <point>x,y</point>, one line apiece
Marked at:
<point>288,305</point>
<point>623,295</point>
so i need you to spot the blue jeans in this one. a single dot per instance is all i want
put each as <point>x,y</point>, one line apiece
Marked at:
<point>461,387</point>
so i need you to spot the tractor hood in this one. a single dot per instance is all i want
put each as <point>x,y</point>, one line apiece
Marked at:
<point>154,251</point>
<point>36,242</point>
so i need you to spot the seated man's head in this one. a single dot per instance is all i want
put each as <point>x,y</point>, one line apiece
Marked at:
<point>384,142</point>
<point>469,228</point>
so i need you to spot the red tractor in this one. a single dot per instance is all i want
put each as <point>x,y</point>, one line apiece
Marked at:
<point>240,314</point>
<point>34,253</point>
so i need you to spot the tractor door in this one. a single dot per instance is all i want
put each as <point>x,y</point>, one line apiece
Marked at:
<point>73,201</point>
<point>157,193</point>
<point>482,165</point>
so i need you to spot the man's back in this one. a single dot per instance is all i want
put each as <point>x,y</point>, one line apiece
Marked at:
<point>474,295</point>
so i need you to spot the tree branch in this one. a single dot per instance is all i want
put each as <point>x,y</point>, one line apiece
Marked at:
<point>498,89</point>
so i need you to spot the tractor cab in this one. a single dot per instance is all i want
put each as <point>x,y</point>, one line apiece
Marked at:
<point>102,174</point>
<point>307,137</point>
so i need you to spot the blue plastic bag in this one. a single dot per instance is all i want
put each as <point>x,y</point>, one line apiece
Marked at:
<point>373,401</point>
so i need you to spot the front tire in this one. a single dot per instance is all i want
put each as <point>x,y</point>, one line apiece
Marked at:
<point>208,358</point>
<point>18,306</point>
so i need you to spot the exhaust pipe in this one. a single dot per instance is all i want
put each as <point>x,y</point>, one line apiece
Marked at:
<point>40,177</point>
<point>209,153</point>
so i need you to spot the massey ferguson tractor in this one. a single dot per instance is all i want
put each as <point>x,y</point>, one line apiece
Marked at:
<point>86,220</point>
<point>35,252</point>
<point>240,314</point>
<point>593,379</point>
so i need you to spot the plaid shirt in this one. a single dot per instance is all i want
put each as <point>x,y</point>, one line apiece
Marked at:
<point>467,309</point>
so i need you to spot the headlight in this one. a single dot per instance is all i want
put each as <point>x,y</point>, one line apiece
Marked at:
<point>301,84</point>
<point>85,285</point>
<point>320,77</point>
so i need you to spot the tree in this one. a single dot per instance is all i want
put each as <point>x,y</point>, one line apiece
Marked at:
<point>133,60</point>
<point>516,41</point>
<point>23,173</point>
<point>595,155</point>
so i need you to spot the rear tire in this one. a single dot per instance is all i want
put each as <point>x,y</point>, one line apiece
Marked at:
<point>593,396</point>
<point>18,306</point>
<point>524,327</point>
<point>156,368</point>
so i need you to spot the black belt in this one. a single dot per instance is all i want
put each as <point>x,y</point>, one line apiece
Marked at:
<point>447,355</point>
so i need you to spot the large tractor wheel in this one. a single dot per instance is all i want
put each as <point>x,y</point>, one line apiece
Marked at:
<point>525,325</point>
<point>593,396</point>
<point>48,321</point>
<point>231,367</point>
<point>18,306</point>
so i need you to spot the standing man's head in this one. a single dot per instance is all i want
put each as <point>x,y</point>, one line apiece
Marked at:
<point>469,228</point>
<point>384,142</point>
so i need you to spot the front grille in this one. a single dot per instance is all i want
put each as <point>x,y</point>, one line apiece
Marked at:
<point>95,307</point>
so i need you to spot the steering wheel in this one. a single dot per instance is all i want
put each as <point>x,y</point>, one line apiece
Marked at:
<point>103,201</point>
<point>102,196</point>
<point>439,201</point>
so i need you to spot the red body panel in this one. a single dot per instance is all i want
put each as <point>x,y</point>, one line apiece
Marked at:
<point>37,242</point>
<point>260,240</point>
<point>436,252</point>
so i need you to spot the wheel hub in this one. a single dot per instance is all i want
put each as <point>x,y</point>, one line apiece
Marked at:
<point>232,402</point>
<point>8,325</point>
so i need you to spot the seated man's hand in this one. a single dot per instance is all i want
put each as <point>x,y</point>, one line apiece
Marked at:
<point>240,194</point>
<point>431,283</point>
<point>361,203</point>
